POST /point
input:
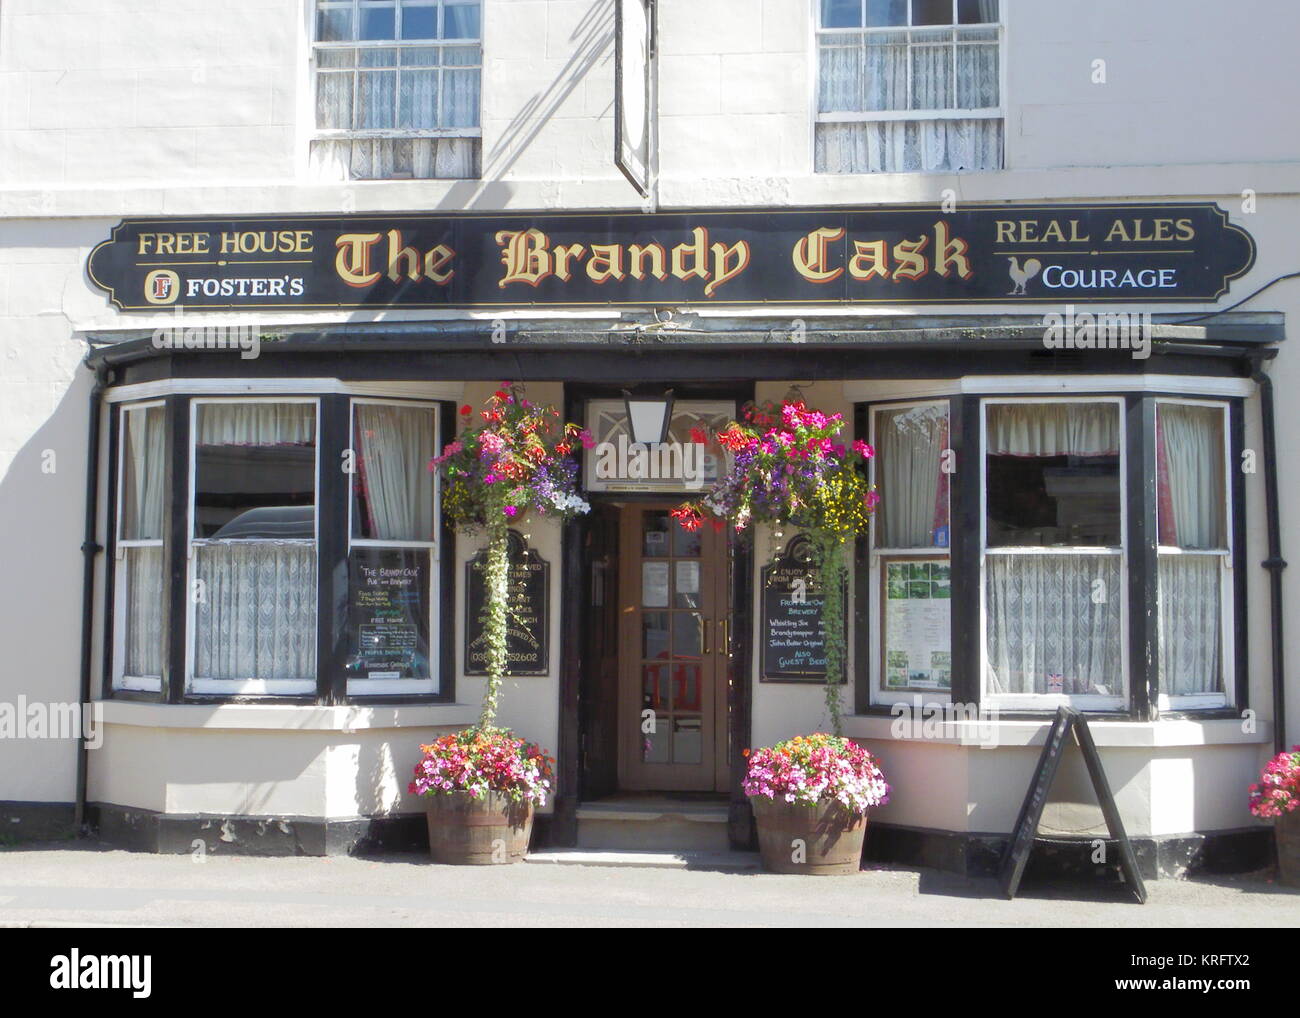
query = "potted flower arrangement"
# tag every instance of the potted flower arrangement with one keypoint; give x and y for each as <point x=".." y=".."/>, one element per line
<point x="810" y="796"/>
<point x="790" y="468"/>
<point x="481" y="785"/>
<point x="1277" y="797"/>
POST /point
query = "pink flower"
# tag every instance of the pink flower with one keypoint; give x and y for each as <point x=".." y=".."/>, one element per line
<point x="510" y="510"/>
<point x="863" y="450"/>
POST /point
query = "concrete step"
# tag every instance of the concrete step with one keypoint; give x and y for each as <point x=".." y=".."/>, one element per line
<point x="653" y="824"/>
<point x="738" y="861"/>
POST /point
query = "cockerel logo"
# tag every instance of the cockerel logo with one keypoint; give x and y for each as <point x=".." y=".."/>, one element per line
<point x="1022" y="275"/>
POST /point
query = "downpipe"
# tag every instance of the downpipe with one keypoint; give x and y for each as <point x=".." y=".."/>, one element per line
<point x="1275" y="563"/>
<point x="90" y="550"/>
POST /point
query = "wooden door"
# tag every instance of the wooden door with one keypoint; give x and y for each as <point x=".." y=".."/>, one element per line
<point x="674" y="639"/>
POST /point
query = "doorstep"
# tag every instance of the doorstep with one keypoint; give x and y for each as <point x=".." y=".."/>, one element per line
<point x="737" y="861"/>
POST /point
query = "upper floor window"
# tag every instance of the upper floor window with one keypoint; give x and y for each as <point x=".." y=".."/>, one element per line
<point x="908" y="85"/>
<point x="397" y="88"/>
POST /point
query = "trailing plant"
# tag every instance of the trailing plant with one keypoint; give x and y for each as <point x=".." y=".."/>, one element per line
<point x="813" y="768"/>
<point x="516" y="459"/>
<point x="787" y="468"/>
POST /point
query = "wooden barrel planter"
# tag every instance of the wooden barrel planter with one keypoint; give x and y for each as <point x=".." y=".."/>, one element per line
<point x="491" y="831"/>
<point x="832" y="836"/>
<point x="1286" y="832"/>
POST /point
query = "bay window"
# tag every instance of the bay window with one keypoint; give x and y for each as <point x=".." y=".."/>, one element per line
<point x="911" y="567"/>
<point x="141" y="592"/>
<point x="1193" y="588"/>
<point x="252" y="546"/>
<point x="908" y="85"/>
<point x="1053" y="553"/>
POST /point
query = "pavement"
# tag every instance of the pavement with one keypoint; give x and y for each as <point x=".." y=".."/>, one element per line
<point x="84" y="884"/>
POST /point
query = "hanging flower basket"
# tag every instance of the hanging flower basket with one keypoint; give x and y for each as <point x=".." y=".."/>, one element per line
<point x="810" y="796"/>
<point x="483" y="783"/>
<point x="1277" y="797"/>
<point x="788" y="468"/>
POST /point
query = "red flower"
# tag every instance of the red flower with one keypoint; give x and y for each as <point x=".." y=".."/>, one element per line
<point x="699" y="436"/>
<point x="466" y="410"/>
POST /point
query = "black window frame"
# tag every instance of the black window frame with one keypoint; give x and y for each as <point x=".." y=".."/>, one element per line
<point x="332" y="495"/>
<point x="1142" y="622"/>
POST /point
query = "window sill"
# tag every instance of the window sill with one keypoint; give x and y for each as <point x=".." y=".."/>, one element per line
<point x="1117" y="733"/>
<point x="285" y="717"/>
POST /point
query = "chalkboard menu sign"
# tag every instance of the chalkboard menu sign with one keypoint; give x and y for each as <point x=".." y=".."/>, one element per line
<point x="1068" y="722"/>
<point x="794" y="640"/>
<point x="528" y="625"/>
<point x="388" y="613"/>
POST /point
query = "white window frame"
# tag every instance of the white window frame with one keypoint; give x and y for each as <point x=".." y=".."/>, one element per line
<point x="879" y="693"/>
<point x="122" y="681"/>
<point x="243" y="687"/>
<point x="998" y="112"/>
<point x="1227" y="606"/>
<point x="1050" y="701"/>
<point x="360" y="134"/>
<point x="378" y="687"/>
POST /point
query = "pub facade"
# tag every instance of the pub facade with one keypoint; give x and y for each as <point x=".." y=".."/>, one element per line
<point x="231" y="371"/>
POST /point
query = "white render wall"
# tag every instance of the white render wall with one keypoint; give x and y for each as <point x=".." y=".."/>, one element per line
<point x="103" y="93"/>
<point x="202" y="107"/>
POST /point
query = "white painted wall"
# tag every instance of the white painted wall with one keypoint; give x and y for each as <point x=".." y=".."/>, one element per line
<point x="177" y="107"/>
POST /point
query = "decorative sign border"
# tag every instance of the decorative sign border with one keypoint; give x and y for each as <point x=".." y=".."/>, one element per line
<point x="877" y="255"/>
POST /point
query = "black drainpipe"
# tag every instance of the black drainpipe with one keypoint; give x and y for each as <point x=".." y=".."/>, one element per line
<point x="1274" y="563"/>
<point x="89" y="549"/>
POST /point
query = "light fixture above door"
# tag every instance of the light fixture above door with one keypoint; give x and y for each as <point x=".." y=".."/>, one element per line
<point x="648" y="417"/>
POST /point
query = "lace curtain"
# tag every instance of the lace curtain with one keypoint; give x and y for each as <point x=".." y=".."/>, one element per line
<point x="143" y="512"/>
<point x="144" y="610"/>
<point x="395" y="445"/>
<point x="1046" y="631"/>
<point x="1191" y="516"/>
<point x="255" y="614"/>
<point x="933" y="69"/>
<point x="914" y="495"/>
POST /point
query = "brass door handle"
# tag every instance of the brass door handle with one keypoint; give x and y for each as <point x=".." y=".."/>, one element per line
<point x="724" y="634"/>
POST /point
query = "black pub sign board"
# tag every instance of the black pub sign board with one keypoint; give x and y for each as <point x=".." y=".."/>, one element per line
<point x="528" y="622"/>
<point x="881" y="254"/>
<point x="794" y="639"/>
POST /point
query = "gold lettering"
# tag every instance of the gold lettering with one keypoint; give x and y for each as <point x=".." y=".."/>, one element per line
<point x="810" y="253"/>
<point x="524" y="255"/>
<point x="397" y="254"/>
<point x="563" y="253"/>
<point x="698" y="251"/>
<point x="911" y="263"/>
<point x="950" y="252"/>
<point x="871" y="258"/>
<point x="434" y="261"/>
<point x="352" y="262"/>
<point x="636" y="254"/>
<point x="606" y="262"/>
<point x="728" y="262"/>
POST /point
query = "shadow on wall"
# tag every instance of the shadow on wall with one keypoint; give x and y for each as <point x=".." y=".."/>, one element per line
<point x="42" y="517"/>
<point x="593" y="37"/>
